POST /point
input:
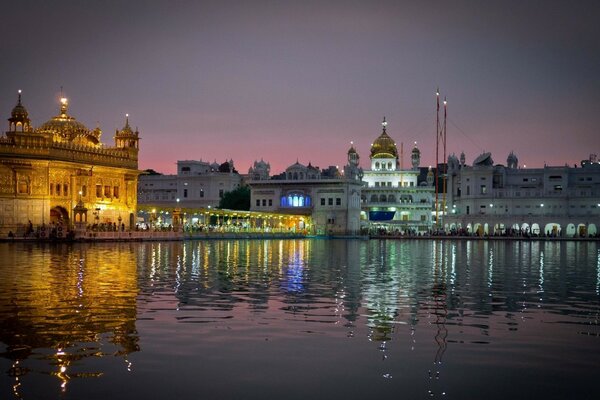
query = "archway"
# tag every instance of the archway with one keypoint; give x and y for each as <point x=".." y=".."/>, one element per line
<point x="592" y="230"/>
<point x="570" y="230"/>
<point x="478" y="229"/>
<point x="469" y="228"/>
<point x="581" y="230"/>
<point x="535" y="229"/>
<point x="59" y="216"/>
<point x="525" y="228"/>
<point x="552" y="229"/>
<point x="499" y="229"/>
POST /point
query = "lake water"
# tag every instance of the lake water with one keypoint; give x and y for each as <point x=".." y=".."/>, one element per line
<point x="300" y="319"/>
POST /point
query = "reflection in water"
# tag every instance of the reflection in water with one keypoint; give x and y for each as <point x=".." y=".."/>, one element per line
<point x="62" y="305"/>
<point x="420" y="316"/>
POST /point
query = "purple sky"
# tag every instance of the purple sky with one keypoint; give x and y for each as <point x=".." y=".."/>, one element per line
<point x="299" y="80"/>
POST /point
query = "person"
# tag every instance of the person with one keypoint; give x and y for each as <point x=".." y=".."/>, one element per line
<point x="11" y="234"/>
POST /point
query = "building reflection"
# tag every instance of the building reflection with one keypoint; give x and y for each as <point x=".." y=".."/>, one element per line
<point x="70" y="304"/>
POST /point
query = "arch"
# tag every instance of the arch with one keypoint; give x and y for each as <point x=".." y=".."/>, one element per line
<point x="525" y="228"/>
<point x="382" y="198"/>
<point x="486" y="229"/>
<point x="535" y="229"/>
<point x="295" y="176"/>
<point x="59" y="215"/>
<point x="389" y="165"/>
<point x="570" y="231"/>
<point x="499" y="229"/>
<point x="552" y="229"/>
<point x="391" y="198"/>
<point x="592" y="230"/>
<point x="377" y="165"/>
<point x="478" y="229"/>
<point x="373" y="198"/>
<point x="469" y="228"/>
<point x="581" y="230"/>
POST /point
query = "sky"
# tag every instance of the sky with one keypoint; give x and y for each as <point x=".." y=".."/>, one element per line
<point x="299" y="80"/>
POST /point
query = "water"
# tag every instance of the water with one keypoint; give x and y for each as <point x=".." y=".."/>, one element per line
<point x="299" y="319"/>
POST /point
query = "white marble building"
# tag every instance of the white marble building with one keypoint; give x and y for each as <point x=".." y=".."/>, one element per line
<point x="393" y="197"/>
<point x="329" y="198"/>
<point x="488" y="198"/>
<point x="196" y="184"/>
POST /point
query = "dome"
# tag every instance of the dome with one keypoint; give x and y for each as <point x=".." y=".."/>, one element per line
<point x="384" y="146"/>
<point x="66" y="128"/>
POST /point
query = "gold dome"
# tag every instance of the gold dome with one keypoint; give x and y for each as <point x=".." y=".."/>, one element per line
<point x="66" y="128"/>
<point x="384" y="146"/>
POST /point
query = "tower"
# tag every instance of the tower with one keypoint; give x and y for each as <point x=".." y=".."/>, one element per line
<point x="19" y="118"/>
<point x="127" y="139"/>
<point x="415" y="157"/>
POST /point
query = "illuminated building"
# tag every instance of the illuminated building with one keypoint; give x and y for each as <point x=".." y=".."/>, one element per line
<point x="329" y="198"/>
<point x="197" y="184"/>
<point x="488" y="198"/>
<point x="393" y="197"/>
<point x="46" y="172"/>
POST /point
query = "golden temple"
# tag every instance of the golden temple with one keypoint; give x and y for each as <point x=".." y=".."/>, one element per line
<point x="60" y="174"/>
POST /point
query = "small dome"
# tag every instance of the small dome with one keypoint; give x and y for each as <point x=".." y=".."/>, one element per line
<point x="19" y="112"/>
<point x="384" y="146"/>
<point x="512" y="161"/>
<point x="416" y="150"/>
<point x="19" y="117"/>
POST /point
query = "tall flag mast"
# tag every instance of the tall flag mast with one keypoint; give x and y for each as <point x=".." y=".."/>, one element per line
<point x="440" y="136"/>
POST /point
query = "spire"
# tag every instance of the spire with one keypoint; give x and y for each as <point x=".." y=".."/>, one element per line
<point x="19" y="101"/>
<point x="384" y="123"/>
<point x="64" y="103"/>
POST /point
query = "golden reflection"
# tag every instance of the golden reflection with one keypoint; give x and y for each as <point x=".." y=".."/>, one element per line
<point x="66" y="300"/>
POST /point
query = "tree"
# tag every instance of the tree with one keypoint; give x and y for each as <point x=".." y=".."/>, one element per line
<point x="238" y="199"/>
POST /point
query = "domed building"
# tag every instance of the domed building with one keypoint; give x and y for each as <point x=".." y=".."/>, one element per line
<point x="393" y="198"/>
<point x="60" y="174"/>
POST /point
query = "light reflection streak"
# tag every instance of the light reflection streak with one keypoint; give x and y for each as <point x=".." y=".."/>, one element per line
<point x="598" y="275"/>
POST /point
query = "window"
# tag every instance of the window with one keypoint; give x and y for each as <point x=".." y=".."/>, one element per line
<point x="330" y="201"/>
<point x="264" y="202"/>
<point x="221" y="193"/>
<point x="468" y="190"/>
<point x="98" y="190"/>
<point x="270" y="202"/>
<point x="483" y="189"/>
<point x="84" y="190"/>
<point x="257" y="202"/>
<point x="106" y="191"/>
<point x="52" y="189"/>
<point x="65" y="189"/>
<point x="58" y="189"/>
<point x="116" y="192"/>
<point x="322" y="201"/>
<point x="201" y="193"/>
<point x="468" y="210"/>
<point x="184" y="192"/>
<point x="23" y="187"/>
<point x="338" y="201"/>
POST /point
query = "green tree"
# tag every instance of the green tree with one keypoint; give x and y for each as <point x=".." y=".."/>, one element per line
<point x="238" y="199"/>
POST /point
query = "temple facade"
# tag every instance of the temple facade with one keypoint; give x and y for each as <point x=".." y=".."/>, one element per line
<point x="328" y="198"/>
<point x="495" y="199"/>
<point x="394" y="198"/>
<point x="59" y="174"/>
